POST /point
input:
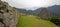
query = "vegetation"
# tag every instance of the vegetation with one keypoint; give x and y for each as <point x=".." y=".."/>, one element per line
<point x="32" y="21"/>
<point x="55" y="20"/>
<point x="14" y="7"/>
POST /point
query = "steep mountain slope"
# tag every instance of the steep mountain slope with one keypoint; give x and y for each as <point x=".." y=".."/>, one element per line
<point x="37" y="11"/>
<point x="55" y="8"/>
<point x="22" y="10"/>
<point x="25" y="11"/>
<point x="29" y="12"/>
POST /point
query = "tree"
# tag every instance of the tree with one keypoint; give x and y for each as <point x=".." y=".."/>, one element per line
<point x="55" y="20"/>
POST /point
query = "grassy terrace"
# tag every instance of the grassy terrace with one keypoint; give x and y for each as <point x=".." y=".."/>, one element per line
<point x="32" y="21"/>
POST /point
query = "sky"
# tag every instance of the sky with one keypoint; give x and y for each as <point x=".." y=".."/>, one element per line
<point x="32" y="4"/>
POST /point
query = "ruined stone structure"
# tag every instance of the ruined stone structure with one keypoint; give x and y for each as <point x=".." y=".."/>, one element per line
<point x="8" y="16"/>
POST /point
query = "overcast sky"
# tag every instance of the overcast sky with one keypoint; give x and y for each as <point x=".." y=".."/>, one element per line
<point x="30" y="4"/>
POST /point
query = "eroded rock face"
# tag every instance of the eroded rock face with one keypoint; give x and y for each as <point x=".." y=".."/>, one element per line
<point x="8" y="16"/>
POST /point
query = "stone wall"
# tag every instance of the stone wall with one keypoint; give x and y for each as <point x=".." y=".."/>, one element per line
<point x="8" y="16"/>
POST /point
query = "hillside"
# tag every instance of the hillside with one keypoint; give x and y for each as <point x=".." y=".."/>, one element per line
<point x="25" y="11"/>
<point x="54" y="8"/>
<point x="32" y="21"/>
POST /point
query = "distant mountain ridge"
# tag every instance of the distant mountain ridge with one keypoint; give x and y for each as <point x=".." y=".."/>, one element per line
<point x="25" y="11"/>
<point x="54" y="8"/>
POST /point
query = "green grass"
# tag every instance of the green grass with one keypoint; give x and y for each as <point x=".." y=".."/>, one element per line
<point x="32" y="21"/>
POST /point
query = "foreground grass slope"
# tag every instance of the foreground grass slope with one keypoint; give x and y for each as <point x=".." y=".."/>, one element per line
<point x="32" y="21"/>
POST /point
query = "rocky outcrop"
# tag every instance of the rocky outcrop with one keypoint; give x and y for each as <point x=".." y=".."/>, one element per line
<point x="45" y="13"/>
<point x="8" y="15"/>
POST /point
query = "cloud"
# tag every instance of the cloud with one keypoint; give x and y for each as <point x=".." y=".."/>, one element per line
<point x="32" y="3"/>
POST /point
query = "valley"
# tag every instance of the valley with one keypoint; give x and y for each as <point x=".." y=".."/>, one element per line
<point x="32" y="21"/>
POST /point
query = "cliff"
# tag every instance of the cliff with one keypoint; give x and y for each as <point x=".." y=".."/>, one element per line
<point x="45" y="13"/>
<point x="8" y="15"/>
